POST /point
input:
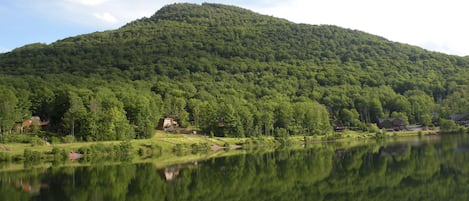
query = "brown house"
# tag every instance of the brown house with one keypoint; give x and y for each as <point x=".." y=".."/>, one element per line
<point x="30" y="123"/>
<point x="461" y="119"/>
<point x="392" y="124"/>
<point x="168" y="124"/>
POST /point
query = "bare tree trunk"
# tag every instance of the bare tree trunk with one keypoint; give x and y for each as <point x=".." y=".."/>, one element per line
<point x="73" y="126"/>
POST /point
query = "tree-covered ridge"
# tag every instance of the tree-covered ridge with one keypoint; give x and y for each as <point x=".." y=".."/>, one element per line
<point x="253" y="71"/>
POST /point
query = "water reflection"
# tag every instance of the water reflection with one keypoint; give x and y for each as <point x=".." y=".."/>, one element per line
<point x="172" y="172"/>
<point x="411" y="169"/>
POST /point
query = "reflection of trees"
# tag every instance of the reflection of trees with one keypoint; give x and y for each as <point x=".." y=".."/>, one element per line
<point x="393" y="172"/>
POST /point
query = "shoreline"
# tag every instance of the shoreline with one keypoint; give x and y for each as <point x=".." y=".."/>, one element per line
<point x="167" y="149"/>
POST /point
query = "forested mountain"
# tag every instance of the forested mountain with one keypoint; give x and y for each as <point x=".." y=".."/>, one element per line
<point x="228" y="71"/>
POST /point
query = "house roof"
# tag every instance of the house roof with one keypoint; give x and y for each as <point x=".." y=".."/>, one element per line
<point x="390" y="119"/>
<point x="459" y="117"/>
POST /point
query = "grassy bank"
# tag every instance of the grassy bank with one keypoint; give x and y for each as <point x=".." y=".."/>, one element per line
<point x="166" y="149"/>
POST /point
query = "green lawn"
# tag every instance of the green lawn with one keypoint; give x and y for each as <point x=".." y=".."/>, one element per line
<point x="179" y="148"/>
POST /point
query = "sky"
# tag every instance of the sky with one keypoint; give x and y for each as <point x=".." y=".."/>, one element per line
<point x="436" y="25"/>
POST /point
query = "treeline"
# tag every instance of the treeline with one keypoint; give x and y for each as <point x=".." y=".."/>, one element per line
<point x="117" y="110"/>
<point x="230" y="72"/>
<point x="94" y="109"/>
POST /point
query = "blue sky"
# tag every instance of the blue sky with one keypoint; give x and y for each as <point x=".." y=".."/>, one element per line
<point x="432" y="24"/>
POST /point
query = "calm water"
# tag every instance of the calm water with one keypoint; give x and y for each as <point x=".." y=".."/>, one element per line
<point x="429" y="168"/>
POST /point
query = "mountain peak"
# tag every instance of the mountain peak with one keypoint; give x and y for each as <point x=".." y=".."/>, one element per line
<point x="181" y="11"/>
<point x="206" y="13"/>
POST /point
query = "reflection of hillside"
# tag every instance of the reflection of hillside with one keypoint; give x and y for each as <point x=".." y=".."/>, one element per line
<point x="33" y="188"/>
<point x="429" y="170"/>
<point x="394" y="150"/>
<point x="462" y="147"/>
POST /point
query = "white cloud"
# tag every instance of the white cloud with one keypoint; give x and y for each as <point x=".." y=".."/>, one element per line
<point x="88" y="2"/>
<point x="111" y="13"/>
<point x="433" y="46"/>
<point x="106" y="17"/>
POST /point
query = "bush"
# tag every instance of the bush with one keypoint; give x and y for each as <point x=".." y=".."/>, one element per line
<point x="32" y="156"/>
<point x="59" y="154"/>
<point x="202" y="147"/>
<point x="212" y="135"/>
<point x="97" y="149"/>
<point x="284" y="141"/>
<point x="15" y="138"/>
<point x="123" y="151"/>
<point x="37" y="141"/>
<point x="118" y="152"/>
<point x="54" y="140"/>
<point x="68" y="139"/>
<point x="152" y="150"/>
<point x="180" y="149"/>
<point x="372" y="128"/>
<point x="449" y="126"/>
<point x="5" y="157"/>
<point x="381" y="134"/>
<point x="125" y="148"/>
<point x="281" y="132"/>
<point x="86" y="150"/>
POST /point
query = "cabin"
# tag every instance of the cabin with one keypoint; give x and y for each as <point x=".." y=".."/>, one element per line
<point x="168" y="124"/>
<point x="392" y="124"/>
<point x="460" y="119"/>
<point x="338" y="127"/>
<point x="28" y="124"/>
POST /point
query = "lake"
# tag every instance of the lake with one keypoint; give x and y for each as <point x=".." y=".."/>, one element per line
<point x="413" y="168"/>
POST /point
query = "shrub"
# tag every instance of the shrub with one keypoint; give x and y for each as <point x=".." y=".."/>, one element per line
<point x="125" y="148"/>
<point x="68" y="139"/>
<point x="15" y="138"/>
<point x="449" y="126"/>
<point x="202" y="147"/>
<point x="212" y="135"/>
<point x="181" y="149"/>
<point x="54" y="140"/>
<point x="37" y="141"/>
<point x="32" y="156"/>
<point x="5" y="157"/>
<point x="59" y="154"/>
<point x="373" y="128"/>
<point x="149" y="150"/>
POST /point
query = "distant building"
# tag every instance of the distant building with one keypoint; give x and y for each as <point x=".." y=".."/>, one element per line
<point x="392" y="124"/>
<point x="168" y="124"/>
<point x="30" y="123"/>
<point x="461" y="119"/>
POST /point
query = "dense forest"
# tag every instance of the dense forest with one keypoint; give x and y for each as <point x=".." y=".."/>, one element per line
<point x="229" y="72"/>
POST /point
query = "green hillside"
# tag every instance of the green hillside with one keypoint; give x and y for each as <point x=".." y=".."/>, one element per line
<point x="230" y="72"/>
